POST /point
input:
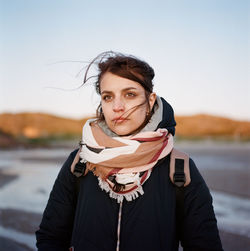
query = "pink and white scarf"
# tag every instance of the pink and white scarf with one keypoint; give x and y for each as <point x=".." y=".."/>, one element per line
<point x="123" y="164"/>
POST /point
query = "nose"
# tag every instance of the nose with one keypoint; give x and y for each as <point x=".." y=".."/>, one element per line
<point x="118" y="105"/>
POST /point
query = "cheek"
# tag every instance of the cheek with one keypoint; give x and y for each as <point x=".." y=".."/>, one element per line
<point x="140" y="115"/>
<point x="142" y="110"/>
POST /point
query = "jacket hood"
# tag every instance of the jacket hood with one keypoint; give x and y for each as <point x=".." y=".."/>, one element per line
<point x="168" y="120"/>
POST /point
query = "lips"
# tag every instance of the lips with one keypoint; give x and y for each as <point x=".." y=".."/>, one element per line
<point x="119" y="120"/>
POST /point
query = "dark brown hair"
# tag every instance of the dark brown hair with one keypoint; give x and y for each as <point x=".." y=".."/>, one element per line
<point x="125" y="66"/>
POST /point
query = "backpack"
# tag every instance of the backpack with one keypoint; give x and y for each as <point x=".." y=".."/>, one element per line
<point x="179" y="174"/>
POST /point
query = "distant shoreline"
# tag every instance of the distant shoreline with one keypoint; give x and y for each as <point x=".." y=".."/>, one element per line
<point x="41" y="128"/>
<point x="74" y="143"/>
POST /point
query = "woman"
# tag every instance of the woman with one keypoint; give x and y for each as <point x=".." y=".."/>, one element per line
<point x="125" y="199"/>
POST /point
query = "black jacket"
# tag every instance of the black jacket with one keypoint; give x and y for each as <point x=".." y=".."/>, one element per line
<point x="87" y="219"/>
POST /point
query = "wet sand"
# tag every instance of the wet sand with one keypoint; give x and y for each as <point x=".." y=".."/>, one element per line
<point x="9" y="244"/>
<point x="6" y="178"/>
<point x="22" y="221"/>
<point x="230" y="178"/>
<point x="224" y="166"/>
<point x="229" y="181"/>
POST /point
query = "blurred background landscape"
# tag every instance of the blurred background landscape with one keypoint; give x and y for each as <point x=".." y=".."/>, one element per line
<point x="200" y="53"/>
<point x="33" y="147"/>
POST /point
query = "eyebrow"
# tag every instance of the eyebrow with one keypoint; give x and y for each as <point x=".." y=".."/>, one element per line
<point x="123" y="90"/>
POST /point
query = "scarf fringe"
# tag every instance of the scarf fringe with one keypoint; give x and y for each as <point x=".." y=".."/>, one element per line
<point x="132" y="195"/>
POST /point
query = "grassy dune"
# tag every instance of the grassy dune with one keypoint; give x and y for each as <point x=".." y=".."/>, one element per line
<point x="212" y="126"/>
<point x="40" y="128"/>
<point x="34" y="125"/>
<point x="30" y="129"/>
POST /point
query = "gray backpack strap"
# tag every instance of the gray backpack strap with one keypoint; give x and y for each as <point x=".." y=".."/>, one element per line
<point x="179" y="168"/>
<point x="78" y="168"/>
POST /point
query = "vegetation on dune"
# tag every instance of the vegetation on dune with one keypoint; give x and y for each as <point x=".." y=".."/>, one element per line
<point x="208" y="126"/>
<point x="30" y="129"/>
<point x="37" y="129"/>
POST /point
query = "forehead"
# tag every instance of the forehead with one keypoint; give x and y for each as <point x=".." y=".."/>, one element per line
<point x="112" y="83"/>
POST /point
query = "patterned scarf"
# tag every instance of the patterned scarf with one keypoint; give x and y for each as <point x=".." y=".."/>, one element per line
<point x="123" y="164"/>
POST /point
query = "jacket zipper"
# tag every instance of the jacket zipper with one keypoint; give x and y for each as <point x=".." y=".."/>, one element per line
<point x="119" y="227"/>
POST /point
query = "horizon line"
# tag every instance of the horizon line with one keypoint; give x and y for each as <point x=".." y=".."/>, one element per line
<point x="93" y="115"/>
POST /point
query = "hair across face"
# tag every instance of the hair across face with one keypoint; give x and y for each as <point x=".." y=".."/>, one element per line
<point x="124" y="104"/>
<point x="118" y="76"/>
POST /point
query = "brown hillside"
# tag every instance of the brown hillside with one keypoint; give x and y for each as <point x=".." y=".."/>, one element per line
<point x="207" y="125"/>
<point x="34" y="125"/>
<point x="40" y="125"/>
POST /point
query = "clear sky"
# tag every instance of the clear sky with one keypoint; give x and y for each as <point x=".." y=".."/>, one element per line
<point x="199" y="50"/>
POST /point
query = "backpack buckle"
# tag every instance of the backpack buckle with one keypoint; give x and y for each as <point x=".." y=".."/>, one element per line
<point x="79" y="169"/>
<point x="179" y="175"/>
<point x="179" y="179"/>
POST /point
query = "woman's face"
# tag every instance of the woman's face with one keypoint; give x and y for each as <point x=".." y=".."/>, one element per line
<point x="120" y="98"/>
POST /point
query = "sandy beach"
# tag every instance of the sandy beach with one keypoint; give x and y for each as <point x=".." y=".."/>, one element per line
<point x="27" y="176"/>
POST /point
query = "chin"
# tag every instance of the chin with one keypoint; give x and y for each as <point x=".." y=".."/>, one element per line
<point x="123" y="129"/>
<point x="121" y="132"/>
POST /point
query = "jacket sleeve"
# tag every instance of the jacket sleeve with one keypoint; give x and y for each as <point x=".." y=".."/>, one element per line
<point x="199" y="229"/>
<point x="56" y="227"/>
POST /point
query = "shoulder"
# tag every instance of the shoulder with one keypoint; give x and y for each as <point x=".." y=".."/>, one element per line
<point x="197" y="188"/>
<point x="73" y="154"/>
<point x="196" y="177"/>
<point x="199" y="227"/>
<point x="65" y="170"/>
<point x="71" y="157"/>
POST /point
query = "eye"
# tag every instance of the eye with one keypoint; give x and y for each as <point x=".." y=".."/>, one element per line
<point x="106" y="98"/>
<point x="130" y="94"/>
